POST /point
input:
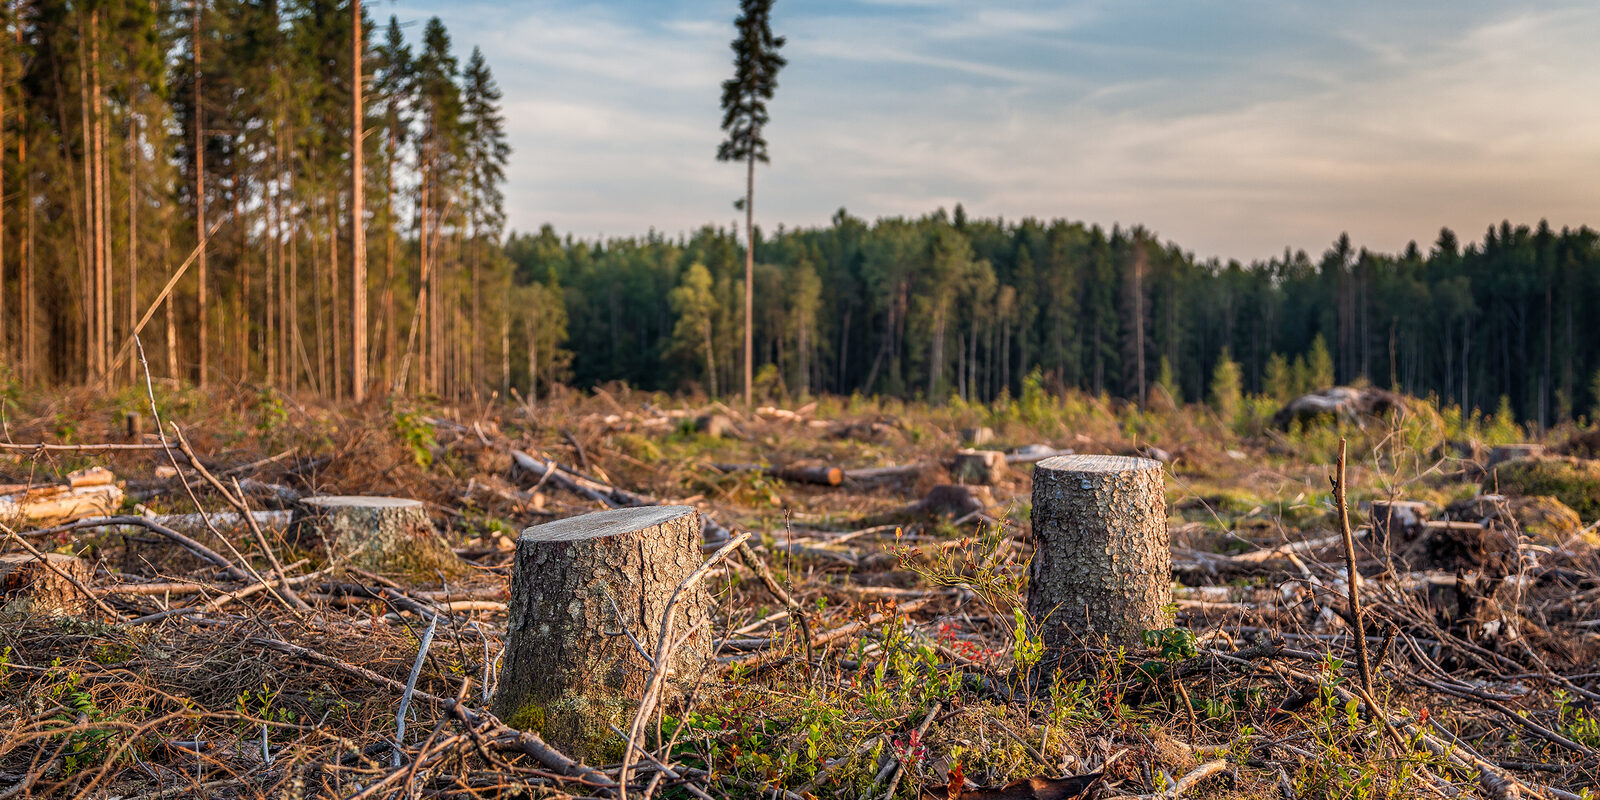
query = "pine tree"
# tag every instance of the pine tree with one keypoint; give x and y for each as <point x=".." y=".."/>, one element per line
<point x="358" y="216"/>
<point x="1319" y="366"/>
<point x="487" y="153"/>
<point x="394" y="82"/>
<point x="744" y="108"/>
<point x="694" y="304"/>
<point x="1226" y="394"/>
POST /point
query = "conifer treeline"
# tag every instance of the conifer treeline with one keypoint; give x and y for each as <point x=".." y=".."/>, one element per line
<point x="128" y="131"/>
<point x="132" y="130"/>
<point x="946" y="305"/>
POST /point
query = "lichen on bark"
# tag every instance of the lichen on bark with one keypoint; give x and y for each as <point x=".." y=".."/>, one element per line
<point x="1102" y="564"/>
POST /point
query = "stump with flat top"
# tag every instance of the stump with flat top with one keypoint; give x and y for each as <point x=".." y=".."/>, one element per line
<point x="985" y="467"/>
<point x="587" y="593"/>
<point x="28" y="585"/>
<point x="1102" y="564"/>
<point x="387" y="535"/>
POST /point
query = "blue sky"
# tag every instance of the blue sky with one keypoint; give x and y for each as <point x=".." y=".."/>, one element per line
<point x="1232" y="128"/>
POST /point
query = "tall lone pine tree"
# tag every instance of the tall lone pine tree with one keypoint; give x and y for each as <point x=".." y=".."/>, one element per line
<point x="744" y="113"/>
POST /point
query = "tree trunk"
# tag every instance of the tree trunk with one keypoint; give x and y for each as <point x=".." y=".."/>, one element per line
<point x="1102" y="567"/>
<point x="200" y="197"/>
<point x="575" y="584"/>
<point x="749" y="276"/>
<point x="358" y="227"/>
<point x="388" y="535"/>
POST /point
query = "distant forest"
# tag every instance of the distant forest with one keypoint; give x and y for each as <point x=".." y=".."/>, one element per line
<point x="130" y="132"/>
<point x="947" y="306"/>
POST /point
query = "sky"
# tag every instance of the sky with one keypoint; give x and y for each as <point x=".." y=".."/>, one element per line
<point x="1234" y="128"/>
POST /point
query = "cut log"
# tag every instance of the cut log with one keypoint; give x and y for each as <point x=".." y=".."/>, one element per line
<point x="986" y="467"/>
<point x="868" y="474"/>
<point x="1102" y="562"/>
<point x="819" y="474"/>
<point x="1341" y="403"/>
<point x="1034" y="453"/>
<point x="587" y="593"/>
<point x="1502" y="453"/>
<point x="92" y="493"/>
<point x="387" y="535"/>
<point x="28" y="586"/>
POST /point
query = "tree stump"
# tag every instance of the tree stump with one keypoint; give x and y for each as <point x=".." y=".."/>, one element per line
<point x="27" y="585"/>
<point x="986" y="467"/>
<point x="1102" y="562"/>
<point x="387" y="535"/>
<point x="580" y="588"/>
<point x="1395" y="524"/>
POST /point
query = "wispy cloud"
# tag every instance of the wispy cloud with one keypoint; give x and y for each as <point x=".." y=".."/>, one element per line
<point x="1234" y="128"/>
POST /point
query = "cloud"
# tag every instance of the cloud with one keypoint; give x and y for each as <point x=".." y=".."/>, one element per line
<point x="1232" y="128"/>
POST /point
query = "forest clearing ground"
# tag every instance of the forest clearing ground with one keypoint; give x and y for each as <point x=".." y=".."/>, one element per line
<point x="924" y="670"/>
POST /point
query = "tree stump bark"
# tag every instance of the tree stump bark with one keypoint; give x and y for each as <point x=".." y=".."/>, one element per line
<point x="27" y="585"/>
<point x="582" y="590"/>
<point x="387" y="535"/>
<point x="1102" y="562"/>
<point x="1395" y="525"/>
<point x="986" y="467"/>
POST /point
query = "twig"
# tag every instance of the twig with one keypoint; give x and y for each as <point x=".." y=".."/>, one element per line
<point x="1353" y="584"/>
<point x="756" y="564"/>
<point x="187" y="543"/>
<point x="249" y="519"/>
<point x="922" y="730"/>
<point x="411" y="687"/>
<point x="658" y="673"/>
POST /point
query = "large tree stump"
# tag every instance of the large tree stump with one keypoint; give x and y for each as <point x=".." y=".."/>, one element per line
<point x="27" y="585"/>
<point x="387" y="535"/>
<point x="985" y="467"/>
<point x="582" y="589"/>
<point x="1102" y="562"/>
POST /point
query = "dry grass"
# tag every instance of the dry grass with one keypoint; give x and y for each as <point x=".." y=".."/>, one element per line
<point x="1257" y="675"/>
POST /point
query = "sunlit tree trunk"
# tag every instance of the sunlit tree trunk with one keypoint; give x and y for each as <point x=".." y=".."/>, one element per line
<point x="201" y="297"/>
<point x="358" y="231"/>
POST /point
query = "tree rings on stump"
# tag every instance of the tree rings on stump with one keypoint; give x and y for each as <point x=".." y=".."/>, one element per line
<point x="1102" y="562"/>
<point x="584" y="590"/>
<point x="387" y="535"/>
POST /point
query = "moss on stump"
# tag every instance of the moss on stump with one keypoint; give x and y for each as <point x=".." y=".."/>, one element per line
<point x="580" y="588"/>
